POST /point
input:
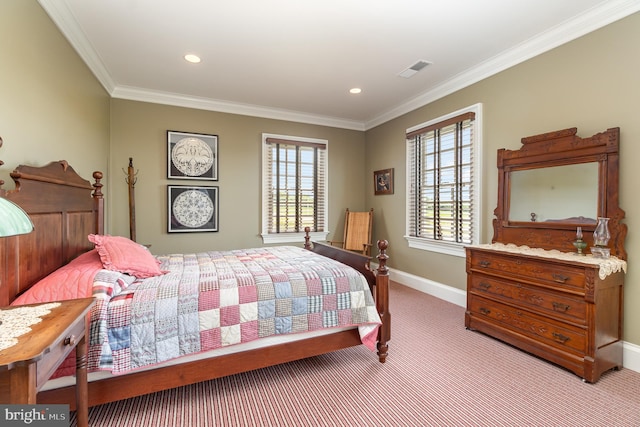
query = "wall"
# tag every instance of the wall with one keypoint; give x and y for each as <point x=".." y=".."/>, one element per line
<point x="591" y="83"/>
<point x="51" y="105"/>
<point x="138" y="130"/>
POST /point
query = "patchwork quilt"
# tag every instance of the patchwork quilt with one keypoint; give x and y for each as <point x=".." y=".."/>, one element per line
<point x="214" y="299"/>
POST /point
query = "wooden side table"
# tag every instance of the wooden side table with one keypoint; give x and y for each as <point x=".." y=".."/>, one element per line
<point x="26" y="366"/>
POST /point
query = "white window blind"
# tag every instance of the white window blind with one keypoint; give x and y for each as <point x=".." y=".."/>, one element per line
<point x="441" y="191"/>
<point x="295" y="185"/>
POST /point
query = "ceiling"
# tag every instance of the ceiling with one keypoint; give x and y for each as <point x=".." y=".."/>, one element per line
<point x="297" y="59"/>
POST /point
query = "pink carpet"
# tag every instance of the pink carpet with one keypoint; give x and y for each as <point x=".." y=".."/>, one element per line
<point x="437" y="374"/>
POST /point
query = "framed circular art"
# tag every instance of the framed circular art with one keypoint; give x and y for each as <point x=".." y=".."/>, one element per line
<point x="192" y="208"/>
<point x="192" y="156"/>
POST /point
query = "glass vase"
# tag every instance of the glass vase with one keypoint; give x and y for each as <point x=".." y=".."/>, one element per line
<point x="601" y="236"/>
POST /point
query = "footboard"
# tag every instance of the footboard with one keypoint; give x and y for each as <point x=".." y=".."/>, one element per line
<point x="378" y="281"/>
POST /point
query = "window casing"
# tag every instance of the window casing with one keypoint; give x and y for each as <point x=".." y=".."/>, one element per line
<point x="294" y="191"/>
<point x="443" y="182"/>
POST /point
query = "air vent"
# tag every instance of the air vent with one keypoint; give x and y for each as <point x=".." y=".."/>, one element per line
<point x="414" y="69"/>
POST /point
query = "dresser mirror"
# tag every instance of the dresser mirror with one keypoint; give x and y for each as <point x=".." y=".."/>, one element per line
<point x="555" y="183"/>
<point x="541" y="194"/>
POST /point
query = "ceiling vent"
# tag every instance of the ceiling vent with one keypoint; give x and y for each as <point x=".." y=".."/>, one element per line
<point x="414" y="69"/>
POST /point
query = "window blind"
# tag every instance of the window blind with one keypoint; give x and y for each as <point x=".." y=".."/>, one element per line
<point x="441" y="194"/>
<point x="296" y="174"/>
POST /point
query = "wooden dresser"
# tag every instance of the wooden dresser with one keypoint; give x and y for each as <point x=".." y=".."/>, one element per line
<point x="560" y="310"/>
<point x="529" y="287"/>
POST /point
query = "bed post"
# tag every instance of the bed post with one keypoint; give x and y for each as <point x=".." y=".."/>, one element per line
<point x="98" y="203"/>
<point x="382" y="300"/>
<point x="4" y="288"/>
<point x="307" y="238"/>
<point x="378" y="281"/>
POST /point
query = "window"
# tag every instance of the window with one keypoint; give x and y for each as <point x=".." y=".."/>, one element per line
<point x="294" y="193"/>
<point x="443" y="182"/>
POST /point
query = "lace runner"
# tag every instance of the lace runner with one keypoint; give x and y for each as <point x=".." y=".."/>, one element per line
<point x="18" y="321"/>
<point x="607" y="265"/>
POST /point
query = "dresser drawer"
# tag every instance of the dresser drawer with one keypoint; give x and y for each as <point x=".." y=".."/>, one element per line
<point x="530" y="269"/>
<point x="557" y="305"/>
<point x="562" y="336"/>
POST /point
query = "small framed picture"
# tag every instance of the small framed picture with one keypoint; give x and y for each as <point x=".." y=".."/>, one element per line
<point x="192" y="156"/>
<point x="383" y="181"/>
<point x="192" y="209"/>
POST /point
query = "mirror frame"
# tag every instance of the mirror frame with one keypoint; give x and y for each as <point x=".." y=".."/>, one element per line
<point x="559" y="148"/>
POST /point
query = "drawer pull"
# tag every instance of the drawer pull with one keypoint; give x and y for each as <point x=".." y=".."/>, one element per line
<point x="484" y="285"/>
<point x="485" y="263"/>
<point x="560" y="307"/>
<point x="485" y="311"/>
<point x="560" y="278"/>
<point x="70" y="340"/>
<point x="559" y="337"/>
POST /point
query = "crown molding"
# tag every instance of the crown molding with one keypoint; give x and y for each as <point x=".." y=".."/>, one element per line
<point x="200" y="103"/>
<point x="595" y="18"/>
<point x="62" y="16"/>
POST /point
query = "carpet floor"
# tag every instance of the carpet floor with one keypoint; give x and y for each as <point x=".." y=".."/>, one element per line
<point x="437" y="374"/>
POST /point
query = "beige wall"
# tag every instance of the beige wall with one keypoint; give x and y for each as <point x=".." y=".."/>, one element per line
<point x="592" y="83"/>
<point x="51" y="105"/>
<point x="139" y="129"/>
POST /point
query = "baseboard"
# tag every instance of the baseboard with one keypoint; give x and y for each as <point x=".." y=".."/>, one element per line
<point x="445" y="292"/>
<point x="631" y="356"/>
<point x="630" y="352"/>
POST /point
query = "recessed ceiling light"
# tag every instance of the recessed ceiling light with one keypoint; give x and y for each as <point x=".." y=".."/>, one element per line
<point x="355" y="90"/>
<point x="192" y="58"/>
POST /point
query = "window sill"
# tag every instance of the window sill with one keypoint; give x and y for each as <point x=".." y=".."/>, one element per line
<point x="272" y="239"/>
<point x="454" y="249"/>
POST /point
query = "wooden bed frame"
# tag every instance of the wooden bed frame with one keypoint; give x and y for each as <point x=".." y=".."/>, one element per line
<point x="65" y="208"/>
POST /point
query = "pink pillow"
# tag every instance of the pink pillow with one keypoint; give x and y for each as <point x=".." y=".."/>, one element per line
<point x="74" y="280"/>
<point x="126" y="256"/>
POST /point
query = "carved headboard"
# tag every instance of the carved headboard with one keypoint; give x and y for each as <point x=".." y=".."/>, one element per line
<point x="64" y="209"/>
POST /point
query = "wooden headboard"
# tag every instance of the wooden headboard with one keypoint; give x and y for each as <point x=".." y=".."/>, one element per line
<point x="64" y="209"/>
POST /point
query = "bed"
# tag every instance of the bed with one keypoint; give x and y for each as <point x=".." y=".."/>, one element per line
<point x="66" y="209"/>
